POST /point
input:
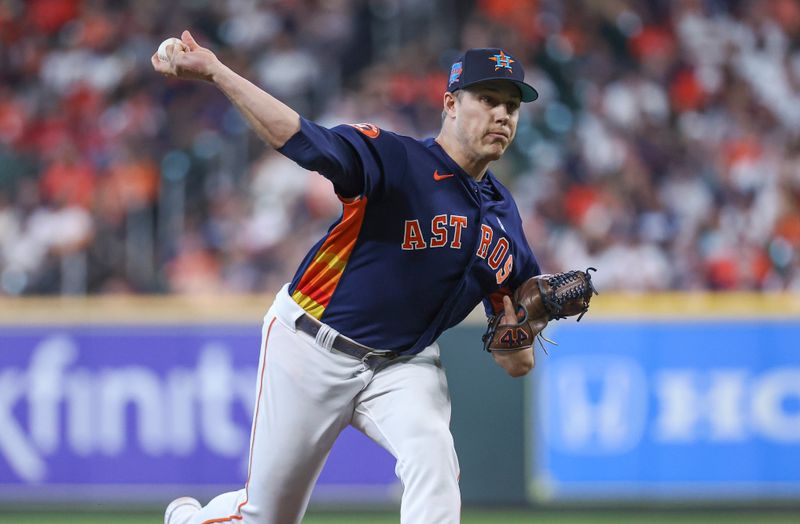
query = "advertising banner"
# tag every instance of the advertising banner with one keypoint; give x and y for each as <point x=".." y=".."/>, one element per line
<point x="667" y="409"/>
<point x="140" y="412"/>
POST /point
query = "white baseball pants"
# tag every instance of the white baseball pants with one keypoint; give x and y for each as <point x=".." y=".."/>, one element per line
<point x="307" y="394"/>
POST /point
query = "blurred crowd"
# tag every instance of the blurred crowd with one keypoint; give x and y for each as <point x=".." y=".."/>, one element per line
<point x="664" y="149"/>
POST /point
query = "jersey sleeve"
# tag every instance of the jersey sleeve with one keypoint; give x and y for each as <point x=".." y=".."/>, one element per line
<point x="316" y="148"/>
<point x="382" y="156"/>
<point x="493" y="303"/>
<point x="359" y="159"/>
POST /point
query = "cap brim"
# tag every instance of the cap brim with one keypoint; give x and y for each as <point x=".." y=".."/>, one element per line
<point x="527" y="92"/>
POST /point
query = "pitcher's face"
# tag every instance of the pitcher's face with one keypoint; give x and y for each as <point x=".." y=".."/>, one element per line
<point x="486" y="118"/>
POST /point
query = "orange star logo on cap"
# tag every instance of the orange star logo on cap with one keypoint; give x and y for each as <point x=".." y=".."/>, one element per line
<point x="502" y="61"/>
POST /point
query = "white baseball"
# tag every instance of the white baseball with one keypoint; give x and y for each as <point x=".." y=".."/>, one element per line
<point x="162" y="49"/>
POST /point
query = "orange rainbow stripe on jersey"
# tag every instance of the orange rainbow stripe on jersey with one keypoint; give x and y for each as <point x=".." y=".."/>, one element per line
<point x="315" y="288"/>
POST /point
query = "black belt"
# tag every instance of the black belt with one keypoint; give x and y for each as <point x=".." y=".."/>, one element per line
<point x="370" y="357"/>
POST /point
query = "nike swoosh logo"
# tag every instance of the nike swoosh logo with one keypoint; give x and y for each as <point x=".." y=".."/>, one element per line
<point x="437" y="176"/>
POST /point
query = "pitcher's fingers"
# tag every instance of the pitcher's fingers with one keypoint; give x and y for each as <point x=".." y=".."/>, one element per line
<point x="180" y="47"/>
<point x="508" y="309"/>
<point x="188" y="39"/>
<point x="160" y="66"/>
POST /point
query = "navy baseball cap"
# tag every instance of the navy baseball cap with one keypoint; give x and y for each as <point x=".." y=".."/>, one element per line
<point x="482" y="64"/>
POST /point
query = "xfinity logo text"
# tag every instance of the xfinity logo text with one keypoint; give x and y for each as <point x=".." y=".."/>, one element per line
<point x="55" y="405"/>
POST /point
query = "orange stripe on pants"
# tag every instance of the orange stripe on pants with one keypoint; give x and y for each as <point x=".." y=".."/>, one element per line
<point x="252" y="437"/>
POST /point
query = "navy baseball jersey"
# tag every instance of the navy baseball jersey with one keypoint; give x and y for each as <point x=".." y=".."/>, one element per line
<point x="416" y="249"/>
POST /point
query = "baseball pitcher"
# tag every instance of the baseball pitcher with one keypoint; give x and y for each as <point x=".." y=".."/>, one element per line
<point x="426" y="234"/>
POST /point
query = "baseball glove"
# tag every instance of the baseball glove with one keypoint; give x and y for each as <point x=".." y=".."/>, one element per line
<point x="539" y="300"/>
